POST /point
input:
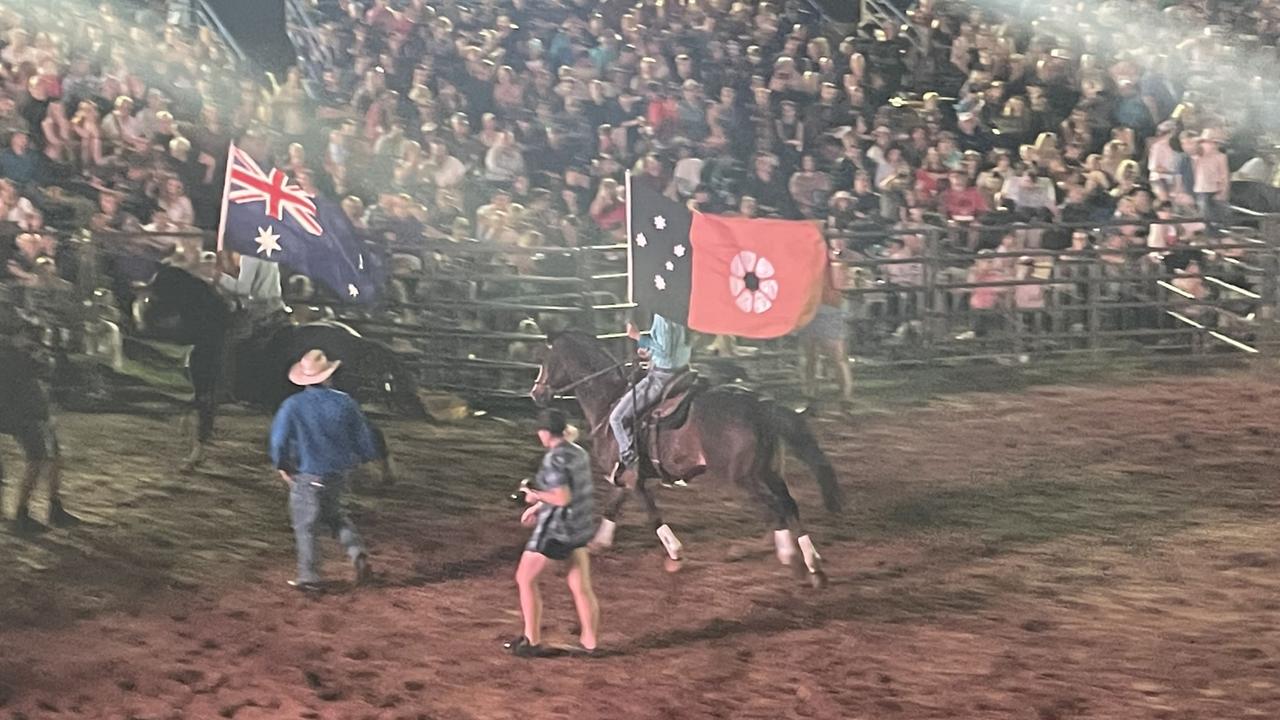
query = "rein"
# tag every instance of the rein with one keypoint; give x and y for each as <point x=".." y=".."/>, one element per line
<point x="592" y="376"/>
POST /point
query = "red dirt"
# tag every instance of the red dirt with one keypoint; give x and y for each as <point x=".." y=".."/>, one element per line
<point x="1061" y="553"/>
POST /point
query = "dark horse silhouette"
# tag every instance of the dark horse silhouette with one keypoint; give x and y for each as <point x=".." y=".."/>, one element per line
<point x="180" y="307"/>
<point x="731" y="432"/>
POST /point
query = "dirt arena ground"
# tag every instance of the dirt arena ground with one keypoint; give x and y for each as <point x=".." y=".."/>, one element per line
<point x="1058" y="551"/>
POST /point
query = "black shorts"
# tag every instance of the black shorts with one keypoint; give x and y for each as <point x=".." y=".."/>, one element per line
<point x="556" y="550"/>
<point x="39" y="441"/>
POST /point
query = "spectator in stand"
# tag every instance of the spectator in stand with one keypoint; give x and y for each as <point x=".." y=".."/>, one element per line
<point x="19" y="162"/>
<point x="1212" y="177"/>
<point x="960" y="202"/>
<point x="174" y="202"/>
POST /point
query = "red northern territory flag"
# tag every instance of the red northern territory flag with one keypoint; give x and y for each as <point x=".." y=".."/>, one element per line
<point x="754" y="278"/>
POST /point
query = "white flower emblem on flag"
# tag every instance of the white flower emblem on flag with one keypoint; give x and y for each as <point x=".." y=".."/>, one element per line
<point x="751" y="282"/>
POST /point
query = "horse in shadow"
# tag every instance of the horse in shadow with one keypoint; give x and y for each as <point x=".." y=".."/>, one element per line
<point x="729" y="432"/>
<point x="179" y="307"/>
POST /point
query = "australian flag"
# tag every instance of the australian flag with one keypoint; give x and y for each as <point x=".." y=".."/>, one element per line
<point x="269" y="217"/>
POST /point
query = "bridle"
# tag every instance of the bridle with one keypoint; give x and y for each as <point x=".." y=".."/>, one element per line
<point x="616" y="366"/>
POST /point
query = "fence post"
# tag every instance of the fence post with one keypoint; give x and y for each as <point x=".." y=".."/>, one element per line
<point x="585" y="268"/>
<point x="1095" y="305"/>
<point x="930" y="314"/>
<point x="1269" y="229"/>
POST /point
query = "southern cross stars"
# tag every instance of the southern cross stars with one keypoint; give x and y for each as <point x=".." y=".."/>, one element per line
<point x="659" y="282"/>
<point x="641" y="240"/>
<point x="268" y="241"/>
<point x="660" y="222"/>
<point x="678" y="250"/>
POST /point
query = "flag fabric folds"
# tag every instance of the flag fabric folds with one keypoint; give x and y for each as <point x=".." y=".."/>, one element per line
<point x="267" y="216"/>
<point x="756" y="278"/>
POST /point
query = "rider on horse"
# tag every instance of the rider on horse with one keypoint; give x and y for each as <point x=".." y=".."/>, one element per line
<point x="253" y="285"/>
<point x="668" y="348"/>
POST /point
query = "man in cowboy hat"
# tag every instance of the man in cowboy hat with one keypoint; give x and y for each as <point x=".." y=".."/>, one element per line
<point x="317" y="436"/>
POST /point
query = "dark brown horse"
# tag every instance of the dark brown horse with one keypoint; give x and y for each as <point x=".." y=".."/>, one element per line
<point x="731" y="433"/>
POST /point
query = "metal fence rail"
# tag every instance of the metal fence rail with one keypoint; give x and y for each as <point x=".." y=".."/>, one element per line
<point x="470" y="317"/>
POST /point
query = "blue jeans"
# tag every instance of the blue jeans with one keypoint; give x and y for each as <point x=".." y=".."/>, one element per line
<point x="315" y="500"/>
<point x="1214" y="211"/>
<point x="634" y="403"/>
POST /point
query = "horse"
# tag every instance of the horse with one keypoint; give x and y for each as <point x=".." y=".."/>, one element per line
<point x="25" y="414"/>
<point x="730" y="431"/>
<point x="182" y="308"/>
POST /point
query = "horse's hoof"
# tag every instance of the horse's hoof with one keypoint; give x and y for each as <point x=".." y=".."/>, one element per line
<point x="672" y="566"/>
<point x="818" y="580"/>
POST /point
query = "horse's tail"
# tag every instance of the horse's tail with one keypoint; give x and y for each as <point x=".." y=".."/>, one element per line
<point x="792" y="428"/>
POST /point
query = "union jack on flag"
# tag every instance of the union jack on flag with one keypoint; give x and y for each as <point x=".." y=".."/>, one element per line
<point x="249" y="184"/>
<point x="268" y="217"/>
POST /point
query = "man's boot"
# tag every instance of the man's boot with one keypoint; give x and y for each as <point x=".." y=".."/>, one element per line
<point x="58" y="515"/>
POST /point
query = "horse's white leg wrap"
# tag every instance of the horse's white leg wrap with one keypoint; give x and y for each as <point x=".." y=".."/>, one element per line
<point x="670" y="542"/>
<point x="786" y="548"/>
<point x="812" y="559"/>
<point x="604" y="535"/>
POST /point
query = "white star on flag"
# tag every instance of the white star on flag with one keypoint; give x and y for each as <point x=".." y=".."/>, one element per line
<point x="641" y="240"/>
<point x="678" y="250"/>
<point x="671" y="265"/>
<point x="660" y="222"/>
<point x="659" y="282"/>
<point x="352" y="290"/>
<point x="268" y="241"/>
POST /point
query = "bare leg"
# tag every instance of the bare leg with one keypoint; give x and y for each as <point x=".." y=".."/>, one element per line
<point x="834" y="350"/>
<point x="810" y="380"/>
<point x="584" y="598"/>
<point x="531" y="565"/>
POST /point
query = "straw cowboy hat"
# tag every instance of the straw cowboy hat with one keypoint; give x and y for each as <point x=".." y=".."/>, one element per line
<point x="313" y="369"/>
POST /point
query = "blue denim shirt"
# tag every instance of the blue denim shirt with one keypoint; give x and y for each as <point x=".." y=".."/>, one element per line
<point x="667" y="343"/>
<point x="321" y="431"/>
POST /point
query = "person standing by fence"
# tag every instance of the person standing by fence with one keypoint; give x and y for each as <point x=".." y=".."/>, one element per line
<point x="1212" y="178"/>
<point x="317" y="436"/>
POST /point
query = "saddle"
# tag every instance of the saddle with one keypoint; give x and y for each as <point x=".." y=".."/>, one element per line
<point x="671" y="412"/>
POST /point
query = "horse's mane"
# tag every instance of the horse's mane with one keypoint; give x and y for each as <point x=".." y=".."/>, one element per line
<point x="193" y="298"/>
<point x="583" y="345"/>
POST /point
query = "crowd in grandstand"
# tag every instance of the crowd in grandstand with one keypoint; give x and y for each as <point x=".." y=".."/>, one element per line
<point x="512" y="122"/>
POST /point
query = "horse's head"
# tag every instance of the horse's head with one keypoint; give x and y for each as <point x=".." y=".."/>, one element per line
<point x="569" y="357"/>
<point x="177" y="305"/>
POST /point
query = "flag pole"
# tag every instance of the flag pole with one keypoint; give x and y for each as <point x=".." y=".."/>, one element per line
<point x="226" y="188"/>
<point x="631" y="285"/>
